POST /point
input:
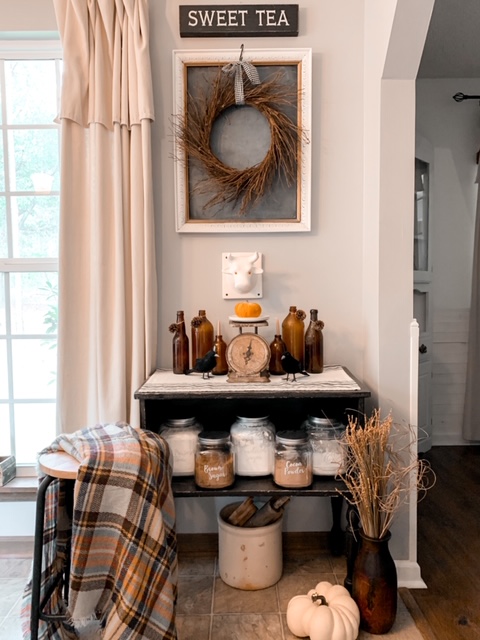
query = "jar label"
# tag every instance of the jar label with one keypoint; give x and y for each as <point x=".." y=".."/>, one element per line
<point x="214" y="469"/>
<point x="292" y="473"/>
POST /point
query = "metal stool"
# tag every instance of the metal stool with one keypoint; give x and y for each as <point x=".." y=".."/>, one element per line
<point x="64" y="467"/>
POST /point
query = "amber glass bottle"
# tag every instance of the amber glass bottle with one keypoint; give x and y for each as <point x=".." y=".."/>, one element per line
<point x="221" y="367"/>
<point x="314" y="344"/>
<point x="202" y="336"/>
<point x="277" y="349"/>
<point x="293" y="333"/>
<point x="180" y="345"/>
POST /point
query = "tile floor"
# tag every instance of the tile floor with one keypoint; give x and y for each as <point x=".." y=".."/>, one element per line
<point x="208" y="609"/>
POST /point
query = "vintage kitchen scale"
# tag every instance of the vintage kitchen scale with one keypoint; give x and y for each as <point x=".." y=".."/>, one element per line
<point x="248" y="354"/>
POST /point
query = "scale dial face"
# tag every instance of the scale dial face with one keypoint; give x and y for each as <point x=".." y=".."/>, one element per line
<point x="248" y="354"/>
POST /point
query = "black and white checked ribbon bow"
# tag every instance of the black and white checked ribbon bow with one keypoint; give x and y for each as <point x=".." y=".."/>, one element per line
<point x="238" y="68"/>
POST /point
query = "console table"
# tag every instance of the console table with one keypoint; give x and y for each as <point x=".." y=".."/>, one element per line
<point x="216" y="403"/>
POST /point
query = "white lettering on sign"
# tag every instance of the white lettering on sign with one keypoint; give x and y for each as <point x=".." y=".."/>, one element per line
<point x="217" y="18"/>
<point x="271" y="18"/>
<point x="236" y="18"/>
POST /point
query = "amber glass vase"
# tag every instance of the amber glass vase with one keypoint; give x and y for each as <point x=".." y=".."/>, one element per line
<point x="221" y="367"/>
<point x="202" y="336"/>
<point x="374" y="584"/>
<point x="277" y="349"/>
<point x="314" y="344"/>
<point x="293" y="333"/>
<point x="180" y="351"/>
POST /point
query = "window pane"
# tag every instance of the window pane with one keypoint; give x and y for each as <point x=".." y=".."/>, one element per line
<point x="31" y="91"/>
<point x="5" y="448"/>
<point x="2" y="165"/>
<point x="3" y="370"/>
<point x="35" y="226"/>
<point x="34" y="365"/>
<point x="32" y="152"/>
<point x="34" y="430"/>
<point x="3" y="328"/>
<point x="3" y="229"/>
<point x="33" y="303"/>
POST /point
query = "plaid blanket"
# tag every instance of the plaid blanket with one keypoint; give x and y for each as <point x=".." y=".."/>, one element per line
<point x="124" y="563"/>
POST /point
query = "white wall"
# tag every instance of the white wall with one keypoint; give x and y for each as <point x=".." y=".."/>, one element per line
<point x="321" y="269"/>
<point x="355" y="265"/>
<point x="453" y="130"/>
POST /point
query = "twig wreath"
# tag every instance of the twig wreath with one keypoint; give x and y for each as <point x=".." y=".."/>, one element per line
<point x="229" y="184"/>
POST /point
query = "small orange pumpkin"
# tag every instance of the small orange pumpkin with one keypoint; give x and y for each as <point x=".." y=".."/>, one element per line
<point x="248" y="309"/>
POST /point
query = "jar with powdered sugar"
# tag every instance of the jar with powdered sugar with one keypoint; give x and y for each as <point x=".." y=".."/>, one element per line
<point x="253" y="446"/>
<point x="181" y="435"/>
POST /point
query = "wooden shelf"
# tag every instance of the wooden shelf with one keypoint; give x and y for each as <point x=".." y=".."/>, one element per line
<point x="325" y="487"/>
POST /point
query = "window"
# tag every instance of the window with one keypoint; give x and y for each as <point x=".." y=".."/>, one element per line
<point x="30" y="77"/>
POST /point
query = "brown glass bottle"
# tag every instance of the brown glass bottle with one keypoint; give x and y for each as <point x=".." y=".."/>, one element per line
<point x="180" y="351"/>
<point x="277" y="349"/>
<point x="293" y="332"/>
<point x="202" y="336"/>
<point x="314" y="344"/>
<point x="221" y="367"/>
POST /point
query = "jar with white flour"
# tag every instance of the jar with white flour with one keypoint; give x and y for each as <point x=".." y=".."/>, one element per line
<point x="181" y="435"/>
<point x="253" y="446"/>
<point x="328" y="452"/>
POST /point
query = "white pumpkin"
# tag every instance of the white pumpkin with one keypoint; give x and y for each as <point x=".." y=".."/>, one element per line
<point x="327" y="612"/>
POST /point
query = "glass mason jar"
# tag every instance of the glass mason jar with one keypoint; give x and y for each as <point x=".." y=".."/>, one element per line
<point x="181" y="435"/>
<point x="253" y="446"/>
<point x="214" y="460"/>
<point x="293" y="459"/>
<point x="328" y="452"/>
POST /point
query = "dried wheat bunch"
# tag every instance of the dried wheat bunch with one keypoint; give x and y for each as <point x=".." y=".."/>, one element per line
<point x="381" y="470"/>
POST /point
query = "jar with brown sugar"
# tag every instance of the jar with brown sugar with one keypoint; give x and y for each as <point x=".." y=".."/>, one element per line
<point x="293" y="460"/>
<point x="214" y="460"/>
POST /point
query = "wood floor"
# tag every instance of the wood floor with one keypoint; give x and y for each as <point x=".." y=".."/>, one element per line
<point x="449" y="545"/>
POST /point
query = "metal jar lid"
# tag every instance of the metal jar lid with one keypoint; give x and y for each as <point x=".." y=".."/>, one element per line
<point x="214" y="437"/>
<point x="291" y="437"/>
<point x="178" y="423"/>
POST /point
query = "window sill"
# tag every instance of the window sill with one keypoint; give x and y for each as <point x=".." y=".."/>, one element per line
<point x="20" y="489"/>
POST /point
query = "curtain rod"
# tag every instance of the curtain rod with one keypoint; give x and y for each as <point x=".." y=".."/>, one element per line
<point x="460" y="97"/>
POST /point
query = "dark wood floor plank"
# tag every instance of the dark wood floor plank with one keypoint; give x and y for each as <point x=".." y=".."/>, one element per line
<point x="449" y="545"/>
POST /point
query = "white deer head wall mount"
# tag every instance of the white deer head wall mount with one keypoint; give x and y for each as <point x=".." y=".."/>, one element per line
<point x="242" y="275"/>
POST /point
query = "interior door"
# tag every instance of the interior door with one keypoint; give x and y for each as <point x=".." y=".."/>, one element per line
<point x="422" y="288"/>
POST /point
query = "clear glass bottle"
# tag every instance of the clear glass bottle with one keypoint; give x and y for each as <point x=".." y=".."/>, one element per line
<point x="293" y="334"/>
<point x="180" y="351"/>
<point x="214" y="467"/>
<point x="325" y="436"/>
<point x="221" y="366"/>
<point x="277" y="349"/>
<point x="181" y="435"/>
<point x="253" y="442"/>
<point x="314" y="344"/>
<point x="293" y="460"/>
<point x="202" y="336"/>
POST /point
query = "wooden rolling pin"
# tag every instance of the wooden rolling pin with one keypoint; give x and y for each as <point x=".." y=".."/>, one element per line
<point x="242" y="513"/>
<point x="269" y="513"/>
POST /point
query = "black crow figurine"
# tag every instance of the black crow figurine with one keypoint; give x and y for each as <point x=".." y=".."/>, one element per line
<point x="204" y="365"/>
<point x="291" y="366"/>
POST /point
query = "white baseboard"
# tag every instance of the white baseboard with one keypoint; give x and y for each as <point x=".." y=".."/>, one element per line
<point x="408" y="575"/>
<point x="450" y="440"/>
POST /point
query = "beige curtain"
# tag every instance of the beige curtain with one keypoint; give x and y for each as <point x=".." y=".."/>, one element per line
<point x="471" y="415"/>
<point x="107" y="281"/>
